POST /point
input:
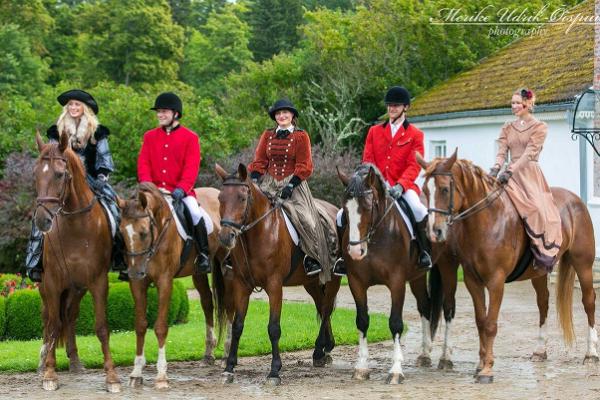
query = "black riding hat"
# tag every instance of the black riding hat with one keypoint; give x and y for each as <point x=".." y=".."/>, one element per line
<point x="79" y="95"/>
<point x="397" y="95"/>
<point x="282" y="104"/>
<point x="169" y="101"/>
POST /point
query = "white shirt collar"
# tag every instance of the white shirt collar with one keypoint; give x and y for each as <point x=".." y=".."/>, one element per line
<point x="289" y="128"/>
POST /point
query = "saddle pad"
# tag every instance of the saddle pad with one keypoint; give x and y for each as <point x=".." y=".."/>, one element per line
<point x="111" y="220"/>
<point x="291" y="229"/>
<point x="406" y="220"/>
<point x="178" y="223"/>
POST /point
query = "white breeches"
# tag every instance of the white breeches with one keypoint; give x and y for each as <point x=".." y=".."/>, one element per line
<point x="198" y="212"/>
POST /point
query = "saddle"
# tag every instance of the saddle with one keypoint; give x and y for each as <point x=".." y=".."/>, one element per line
<point x="185" y="227"/>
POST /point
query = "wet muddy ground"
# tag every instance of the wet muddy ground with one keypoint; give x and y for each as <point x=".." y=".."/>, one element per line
<point x="562" y="376"/>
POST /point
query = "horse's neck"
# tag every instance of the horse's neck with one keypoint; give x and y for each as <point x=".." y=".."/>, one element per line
<point x="79" y="196"/>
<point x="261" y="206"/>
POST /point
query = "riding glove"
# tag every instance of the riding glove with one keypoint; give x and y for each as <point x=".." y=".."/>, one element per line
<point x="177" y="194"/>
<point x="494" y="171"/>
<point x="504" y="177"/>
<point x="396" y="191"/>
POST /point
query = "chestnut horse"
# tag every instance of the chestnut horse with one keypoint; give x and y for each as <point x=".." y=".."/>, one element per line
<point x="262" y="248"/>
<point x="153" y="254"/>
<point x="488" y="237"/>
<point x="376" y="246"/>
<point x="76" y="257"/>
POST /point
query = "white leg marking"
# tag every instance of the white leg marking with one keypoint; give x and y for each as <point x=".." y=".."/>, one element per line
<point x="161" y="364"/>
<point x="363" y="353"/>
<point x="542" y="338"/>
<point x="592" y="342"/>
<point x="426" y="338"/>
<point x="211" y="341"/>
<point x="447" y="346"/>
<point x="138" y="365"/>
<point x="43" y="353"/>
<point x="397" y="357"/>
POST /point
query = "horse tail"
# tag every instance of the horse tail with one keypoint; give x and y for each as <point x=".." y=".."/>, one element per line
<point x="218" y="283"/>
<point x="564" y="300"/>
<point x="436" y="296"/>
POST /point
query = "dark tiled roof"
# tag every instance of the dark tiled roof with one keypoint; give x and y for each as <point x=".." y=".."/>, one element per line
<point x="556" y="65"/>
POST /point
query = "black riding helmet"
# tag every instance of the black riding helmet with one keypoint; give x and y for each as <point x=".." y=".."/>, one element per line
<point x="397" y="95"/>
<point x="79" y="95"/>
<point x="282" y="104"/>
<point x="169" y="101"/>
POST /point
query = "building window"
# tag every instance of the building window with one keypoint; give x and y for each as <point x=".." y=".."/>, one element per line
<point x="437" y="148"/>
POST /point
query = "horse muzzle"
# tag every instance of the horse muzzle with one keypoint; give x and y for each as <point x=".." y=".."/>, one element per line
<point x="43" y="222"/>
<point x="136" y="275"/>
<point x="227" y="238"/>
<point x="357" y="251"/>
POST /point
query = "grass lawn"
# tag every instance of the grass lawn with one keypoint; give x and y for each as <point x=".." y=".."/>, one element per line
<point x="186" y="341"/>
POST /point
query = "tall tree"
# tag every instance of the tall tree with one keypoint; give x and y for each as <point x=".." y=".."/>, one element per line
<point x="32" y="17"/>
<point x="274" y="25"/>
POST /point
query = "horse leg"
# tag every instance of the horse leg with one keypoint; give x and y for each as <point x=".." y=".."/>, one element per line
<point x="139" y="290"/>
<point x="99" y="292"/>
<point x="395" y="374"/>
<point x="227" y="344"/>
<point x="206" y="301"/>
<point x="588" y="298"/>
<point x="496" y="291"/>
<point x="161" y="329"/>
<point x="73" y="300"/>
<point x="331" y="289"/>
<point x="359" y="292"/>
<point x="242" y="296"/>
<point x="275" y="292"/>
<point x="540" y="284"/>
<point x="316" y="292"/>
<point x="44" y="347"/>
<point x="476" y="290"/>
<point x="449" y="280"/>
<point x="418" y="288"/>
<point x="51" y="335"/>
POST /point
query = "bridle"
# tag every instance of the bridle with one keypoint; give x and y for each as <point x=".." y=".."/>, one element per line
<point x="372" y="226"/>
<point x="474" y="209"/>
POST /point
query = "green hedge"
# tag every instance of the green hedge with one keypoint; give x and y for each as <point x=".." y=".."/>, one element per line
<point x="20" y="313"/>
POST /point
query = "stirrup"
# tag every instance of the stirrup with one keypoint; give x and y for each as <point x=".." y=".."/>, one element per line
<point x="309" y="266"/>
<point x="424" y="256"/>
<point x="202" y="264"/>
<point x="339" y="268"/>
<point x="34" y="274"/>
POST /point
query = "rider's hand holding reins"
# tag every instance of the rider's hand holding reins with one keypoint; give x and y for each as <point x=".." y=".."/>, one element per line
<point x="396" y="191"/>
<point x="504" y="177"/>
<point x="286" y="193"/>
<point x="494" y="171"/>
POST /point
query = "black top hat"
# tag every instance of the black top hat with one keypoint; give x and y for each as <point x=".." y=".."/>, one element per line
<point x="79" y="95"/>
<point x="397" y="95"/>
<point x="169" y="101"/>
<point x="282" y="104"/>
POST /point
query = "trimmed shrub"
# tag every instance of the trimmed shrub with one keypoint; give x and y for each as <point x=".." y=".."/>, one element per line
<point x="86" y="321"/>
<point x="121" y="315"/>
<point x="184" y="308"/>
<point x="2" y="316"/>
<point x="178" y="296"/>
<point x="24" y="315"/>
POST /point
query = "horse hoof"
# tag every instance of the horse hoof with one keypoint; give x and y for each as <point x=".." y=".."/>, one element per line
<point x="485" y="379"/>
<point x="76" y="368"/>
<point x="50" y="384"/>
<point x="423" y="361"/>
<point x="476" y="373"/>
<point x="161" y="384"/>
<point x="273" y="381"/>
<point x="227" y="377"/>
<point x="537" y="357"/>
<point x="591" y="360"/>
<point x="446" y="365"/>
<point x="208" y="360"/>
<point x="394" y="379"/>
<point x="321" y="362"/>
<point x="361" y="374"/>
<point x="136" y="381"/>
<point x="113" y="387"/>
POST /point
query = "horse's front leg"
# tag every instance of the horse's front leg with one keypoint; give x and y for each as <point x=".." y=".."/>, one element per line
<point x="449" y="279"/>
<point x="496" y="291"/>
<point x="419" y="289"/>
<point x="359" y="292"/>
<point x="206" y="301"/>
<point x="275" y="293"/>
<point x="398" y="291"/>
<point x="74" y="300"/>
<point x="52" y="331"/>
<point x="540" y="285"/>
<point x="139" y="290"/>
<point x="99" y="292"/>
<point x="161" y="330"/>
<point x="242" y="297"/>
<point x="476" y="290"/>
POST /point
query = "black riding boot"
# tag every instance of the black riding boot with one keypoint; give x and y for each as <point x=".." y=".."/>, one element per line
<point x="201" y="238"/>
<point x="424" y="245"/>
<point x="33" y="258"/>
<point x="339" y="268"/>
<point x="311" y="266"/>
<point x="119" y="264"/>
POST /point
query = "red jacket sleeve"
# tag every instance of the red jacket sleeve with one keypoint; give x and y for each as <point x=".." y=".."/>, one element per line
<point x="411" y="173"/>
<point x="368" y="155"/>
<point x="260" y="162"/>
<point x="304" y="166"/>
<point x="191" y="165"/>
<point x="144" y="162"/>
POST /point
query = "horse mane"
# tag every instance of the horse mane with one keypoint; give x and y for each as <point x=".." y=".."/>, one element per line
<point x="356" y="184"/>
<point x="471" y="175"/>
<point x="131" y="208"/>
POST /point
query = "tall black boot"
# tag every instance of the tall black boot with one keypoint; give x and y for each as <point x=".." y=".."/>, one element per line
<point x="339" y="268"/>
<point x="33" y="257"/>
<point x="311" y="266"/>
<point x="424" y="245"/>
<point x="201" y="238"/>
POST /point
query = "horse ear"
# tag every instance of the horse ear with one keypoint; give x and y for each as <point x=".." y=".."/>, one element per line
<point x="242" y="172"/>
<point x="143" y="200"/>
<point x="451" y="160"/>
<point x="220" y="171"/>
<point x="121" y="203"/>
<point x="38" y="140"/>
<point x="424" y="164"/>
<point x="63" y="142"/>
<point x="343" y="177"/>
